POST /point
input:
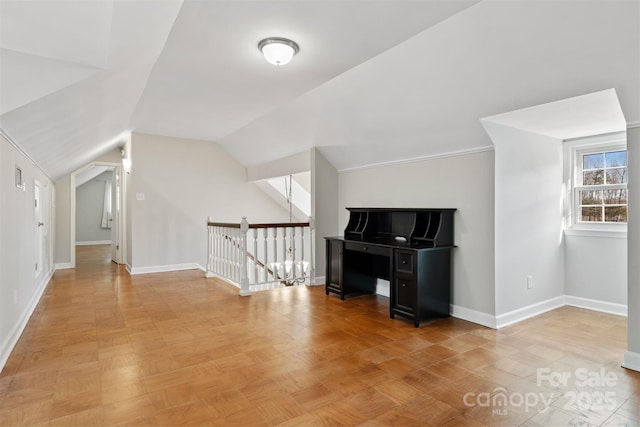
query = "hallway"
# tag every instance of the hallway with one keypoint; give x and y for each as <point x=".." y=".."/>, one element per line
<point x="106" y="348"/>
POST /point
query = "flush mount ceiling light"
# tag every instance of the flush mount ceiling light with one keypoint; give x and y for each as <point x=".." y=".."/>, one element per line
<point x="278" y="50"/>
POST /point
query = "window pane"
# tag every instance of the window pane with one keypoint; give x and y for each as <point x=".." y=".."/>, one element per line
<point x="616" y="158"/>
<point x="591" y="214"/>
<point x="590" y="197"/>
<point x="614" y="197"/>
<point x="615" y="213"/>
<point x="593" y="161"/>
<point x="593" y="177"/>
<point x="617" y="176"/>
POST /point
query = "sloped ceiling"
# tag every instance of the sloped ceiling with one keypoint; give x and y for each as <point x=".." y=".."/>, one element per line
<point x="593" y="114"/>
<point x="375" y="81"/>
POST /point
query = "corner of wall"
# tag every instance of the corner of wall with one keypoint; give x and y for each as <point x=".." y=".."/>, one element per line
<point x="324" y="204"/>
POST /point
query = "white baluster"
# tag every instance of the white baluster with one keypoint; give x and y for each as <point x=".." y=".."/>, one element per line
<point x="302" y="252"/>
<point x="231" y="257"/>
<point x="234" y="256"/>
<point x="275" y="254"/>
<point x="218" y="251"/>
<point x="218" y="234"/>
<point x="223" y="266"/>
<point x="237" y="261"/>
<point x="255" y="255"/>
<point x="293" y="252"/>
<point x="244" y="280"/>
<point x="265" y="272"/>
<point x="284" y="252"/>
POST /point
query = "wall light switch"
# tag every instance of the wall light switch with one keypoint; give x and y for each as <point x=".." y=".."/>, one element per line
<point x="139" y="196"/>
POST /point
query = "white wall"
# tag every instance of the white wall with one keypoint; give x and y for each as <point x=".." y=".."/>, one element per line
<point x="528" y="218"/>
<point x="62" y="244"/>
<point x="464" y="182"/>
<point x="632" y="356"/>
<point x="595" y="262"/>
<point x="89" y="207"/>
<point x="20" y="290"/>
<point x="324" y="206"/>
<point x="596" y="268"/>
<point x="183" y="182"/>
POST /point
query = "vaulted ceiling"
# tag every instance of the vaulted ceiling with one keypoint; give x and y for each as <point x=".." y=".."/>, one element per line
<point x="374" y="80"/>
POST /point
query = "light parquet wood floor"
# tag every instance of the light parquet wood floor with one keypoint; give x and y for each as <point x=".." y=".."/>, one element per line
<point x="104" y="348"/>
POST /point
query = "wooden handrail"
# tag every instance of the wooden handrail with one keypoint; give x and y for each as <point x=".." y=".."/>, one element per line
<point x="280" y="225"/>
<point x="271" y="225"/>
<point x="222" y="224"/>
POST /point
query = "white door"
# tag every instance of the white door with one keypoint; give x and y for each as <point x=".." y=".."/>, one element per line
<point x="39" y="227"/>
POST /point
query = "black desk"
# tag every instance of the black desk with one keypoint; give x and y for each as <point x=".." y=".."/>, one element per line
<point x="378" y="245"/>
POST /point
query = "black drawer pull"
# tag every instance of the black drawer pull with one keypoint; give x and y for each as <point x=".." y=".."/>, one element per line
<point x="364" y="248"/>
<point x="404" y="262"/>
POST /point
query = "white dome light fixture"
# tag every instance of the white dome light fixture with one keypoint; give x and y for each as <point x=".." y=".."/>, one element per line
<point x="278" y="50"/>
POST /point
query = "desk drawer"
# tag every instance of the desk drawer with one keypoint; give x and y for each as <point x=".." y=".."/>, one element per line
<point x="365" y="247"/>
<point x="405" y="261"/>
<point x="405" y="294"/>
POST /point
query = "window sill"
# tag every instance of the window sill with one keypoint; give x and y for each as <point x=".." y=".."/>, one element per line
<point x="620" y="233"/>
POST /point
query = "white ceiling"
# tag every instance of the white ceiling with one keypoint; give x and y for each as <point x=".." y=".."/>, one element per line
<point x="374" y="81"/>
<point x="88" y="174"/>
<point x="593" y="114"/>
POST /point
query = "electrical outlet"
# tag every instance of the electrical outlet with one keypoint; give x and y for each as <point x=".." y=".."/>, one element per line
<point x="529" y="282"/>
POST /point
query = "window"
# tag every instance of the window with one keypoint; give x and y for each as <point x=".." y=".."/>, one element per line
<point x="597" y="182"/>
<point x="602" y="187"/>
<point x="19" y="180"/>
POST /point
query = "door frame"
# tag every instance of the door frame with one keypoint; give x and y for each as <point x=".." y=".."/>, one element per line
<point x="119" y="217"/>
<point x="39" y="231"/>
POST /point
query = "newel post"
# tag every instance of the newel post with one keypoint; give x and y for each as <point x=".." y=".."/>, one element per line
<point x="244" y="279"/>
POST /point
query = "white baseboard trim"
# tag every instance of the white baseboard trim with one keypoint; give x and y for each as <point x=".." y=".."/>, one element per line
<point x="317" y="281"/>
<point x="529" y="311"/>
<point x="631" y="361"/>
<point x="12" y="339"/>
<point x="473" y="316"/>
<point x="163" y="268"/>
<point x="592" y="304"/>
<point x="515" y="316"/>
<point x="63" y="265"/>
<point x="93" y="242"/>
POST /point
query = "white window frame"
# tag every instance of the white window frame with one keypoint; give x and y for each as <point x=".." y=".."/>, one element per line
<point x="573" y="151"/>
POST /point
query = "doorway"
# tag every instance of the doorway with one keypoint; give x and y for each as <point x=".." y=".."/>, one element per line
<point x="108" y="228"/>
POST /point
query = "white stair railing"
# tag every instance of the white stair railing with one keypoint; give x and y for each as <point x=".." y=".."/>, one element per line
<point x="261" y="256"/>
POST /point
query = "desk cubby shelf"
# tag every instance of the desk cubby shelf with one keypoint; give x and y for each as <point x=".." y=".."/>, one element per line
<point x="419" y="227"/>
